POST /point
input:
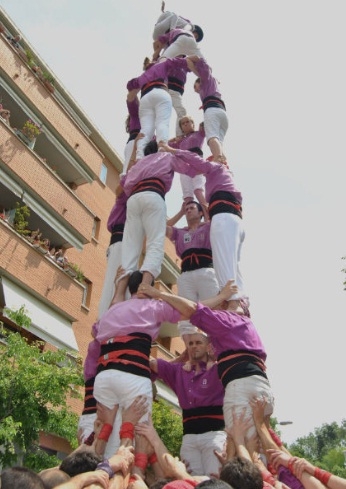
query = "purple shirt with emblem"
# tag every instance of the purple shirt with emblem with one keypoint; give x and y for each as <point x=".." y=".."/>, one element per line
<point x="185" y="238"/>
<point x="193" y="389"/>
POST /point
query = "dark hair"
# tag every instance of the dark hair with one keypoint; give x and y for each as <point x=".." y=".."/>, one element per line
<point x="53" y="477"/>
<point x="197" y="150"/>
<point x="135" y="280"/>
<point x="198" y="30"/>
<point x="151" y="148"/>
<point x="79" y="462"/>
<point x="241" y="474"/>
<point x="213" y="483"/>
<point x="199" y="207"/>
<point x="19" y="477"/>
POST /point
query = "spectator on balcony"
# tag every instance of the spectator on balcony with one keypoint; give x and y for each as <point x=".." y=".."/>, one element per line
<point x="5" y="115"/>
<point x="14" y="40"/>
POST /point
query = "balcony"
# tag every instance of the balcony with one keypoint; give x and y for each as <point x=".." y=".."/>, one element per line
<point x="23" y="91"/>
<point x="38" y="183"/>
<point x="24" y="264"/>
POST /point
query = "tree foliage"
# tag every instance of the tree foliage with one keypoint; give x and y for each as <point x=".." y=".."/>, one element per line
<point x="34" y="389"/>
<point x="324" y="447"/>
<point x="169" y="426"/>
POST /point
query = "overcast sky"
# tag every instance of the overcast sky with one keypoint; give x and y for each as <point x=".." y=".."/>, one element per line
<point x="281" y="70"/>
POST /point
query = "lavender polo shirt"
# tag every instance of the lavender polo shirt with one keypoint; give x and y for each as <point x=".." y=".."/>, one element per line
<point x="228" y="331"/>
<point x="135" y="316"/>
<point x="193" y="390"/>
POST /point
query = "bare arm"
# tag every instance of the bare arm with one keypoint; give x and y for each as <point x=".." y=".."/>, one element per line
<point x="228" y="290"/>
<point x="184" y="306"/>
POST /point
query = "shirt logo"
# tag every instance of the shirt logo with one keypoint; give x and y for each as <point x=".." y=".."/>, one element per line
<point x="187" y="238"/>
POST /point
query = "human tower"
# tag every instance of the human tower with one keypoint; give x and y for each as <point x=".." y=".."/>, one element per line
<point x="117" y="368"/>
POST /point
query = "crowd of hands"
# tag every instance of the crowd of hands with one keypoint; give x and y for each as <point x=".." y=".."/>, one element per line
<point x="129" y="463"/>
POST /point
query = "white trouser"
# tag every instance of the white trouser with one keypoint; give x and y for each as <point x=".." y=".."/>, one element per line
<point x="226" y="238"/>
<point x="177" y="101"/>
<point x="127" y="154"/>
<point x="116" y="387"/>
<point x="240" y="392"/>
<point x="154" y="112"/>
<point x="145" y="218"/>
<point x="85" y="426"/>
<point x="198" y="452"/>
<point x="166" y="22"/>
<point x="113" y="262"/>
<point x="182" y="45"/>
<point x="196" y="285"/>
<point x="215" y="123"/>
<point x="190" y="184"/>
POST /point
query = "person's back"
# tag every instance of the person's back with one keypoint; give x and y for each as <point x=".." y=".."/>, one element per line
<point x="19" y="478"/>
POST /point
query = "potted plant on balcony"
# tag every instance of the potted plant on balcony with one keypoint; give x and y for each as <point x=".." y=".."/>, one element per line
<point x="75" y="271"/>
<point x="20" y="223"/>
<point x="29" y="133"/>
<point x="31" y="60"/>
<point x="48" y="81"/>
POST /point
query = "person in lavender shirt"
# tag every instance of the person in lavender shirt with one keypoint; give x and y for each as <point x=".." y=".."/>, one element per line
<point x="238" y="347"/>
<point x="226" y="226"/>
<point x="200" y="394"/>
<point x="215" y="116"/>
<point x="191" y="139"/>
<point x="155" y="106"/>
<point x="178" y="42"/>
<point x="145" y="185"/>
<point x="168" y="21"/>
<point x="125" y="333"/>
<point x="115" y="225"/>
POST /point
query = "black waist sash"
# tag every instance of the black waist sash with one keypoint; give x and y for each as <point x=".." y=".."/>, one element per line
<point x="150" y="184"/>
<point x="89" y="400"/>
<point x="117" y="233"/>
<point x="176" y="85"/>
<point x="159" y="83"/>
<point x="238" y="365"/>
<point x="213" y="101"/>
<point x="133" y="134"/>
<point x="195" y="258"/>
<point x="126" y="353"/>
<point x="221" y="202"/>
<point x="202" y="419"/>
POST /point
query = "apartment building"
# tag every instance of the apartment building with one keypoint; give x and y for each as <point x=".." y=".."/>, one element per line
<point x="56" y="191"/>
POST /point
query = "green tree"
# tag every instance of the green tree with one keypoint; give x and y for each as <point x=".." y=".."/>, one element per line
<point x="324" y="447"/>
<point x="169" y="426"/>
<point x="34" y="389"/>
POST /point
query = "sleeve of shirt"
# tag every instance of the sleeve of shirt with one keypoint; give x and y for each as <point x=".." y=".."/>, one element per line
<point x="190" y="163"/>
<point x="167" y="372"/>
<point x="168" y="313"/>
<point x="174" y="234"/>
<point x="133" y="84"/>
<point x="285" y="476"/>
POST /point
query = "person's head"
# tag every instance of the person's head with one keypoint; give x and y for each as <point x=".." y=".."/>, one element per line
<point x="159" y="483"/>
<point x="151" y="148"/>
<point x="19" y="477"/>
<point x="135" y="280"/>
<point x="186" y="124"/>
<point x="79" y="462"/>
<point x="193" y="212"/>
<point x="197" y="345"/>
<point x="240" y="473"/>
<point x="197" y="85"/>
<point x="213" y="483"/>
<point x="198" y="33"/>
<point x="53" y="477"/>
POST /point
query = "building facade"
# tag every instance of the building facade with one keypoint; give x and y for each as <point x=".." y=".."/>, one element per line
<point x="57" y="185"/>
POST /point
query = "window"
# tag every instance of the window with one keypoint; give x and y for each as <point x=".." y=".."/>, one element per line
<point x="103" y="173"/>
<point x="87" y="293"/>
<point x="96" y="228"/>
